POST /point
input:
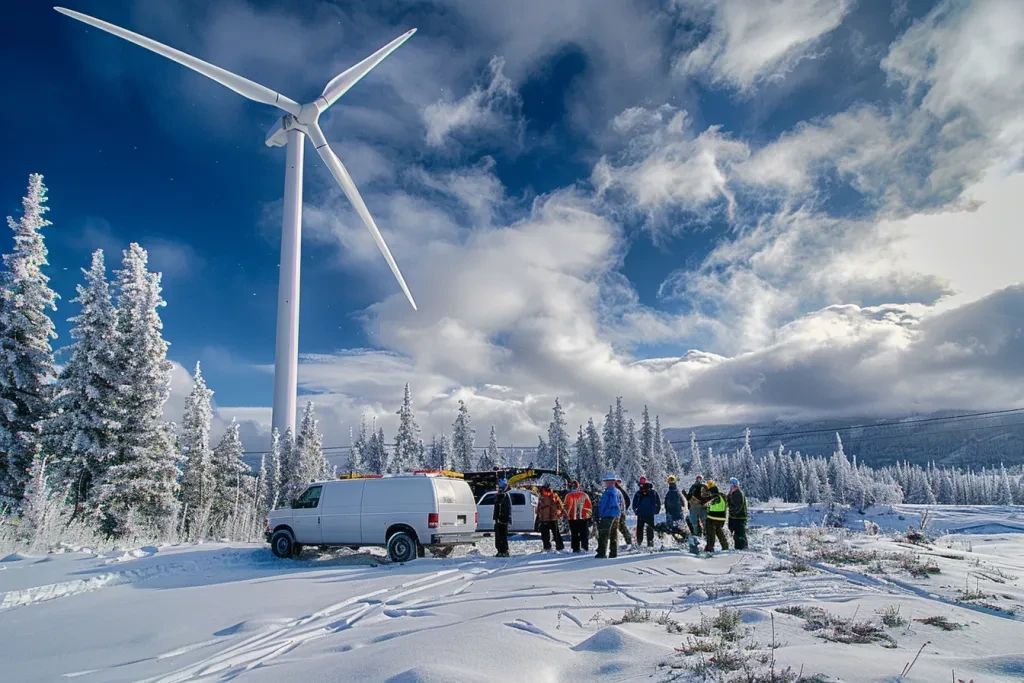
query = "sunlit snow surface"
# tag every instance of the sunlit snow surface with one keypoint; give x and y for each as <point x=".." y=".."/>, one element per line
<point x="224" y="612"/>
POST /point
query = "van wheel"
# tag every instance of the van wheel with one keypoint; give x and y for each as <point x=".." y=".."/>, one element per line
<point x="402" y="547"/>
<point x="282" y="543"/>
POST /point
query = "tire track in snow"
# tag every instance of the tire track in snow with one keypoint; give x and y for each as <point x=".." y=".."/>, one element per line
<point x="263" y="647"/>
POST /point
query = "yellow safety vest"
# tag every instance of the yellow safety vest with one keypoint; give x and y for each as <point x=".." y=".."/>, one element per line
<point x="716" y="509"/>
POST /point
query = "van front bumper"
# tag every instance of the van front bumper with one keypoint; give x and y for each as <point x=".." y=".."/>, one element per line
<point x="466" y="538"/>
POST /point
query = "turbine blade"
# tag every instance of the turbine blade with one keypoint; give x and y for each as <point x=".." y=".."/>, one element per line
<point x="242" y="86"/>
<point x="340" y="174"/>
<point x="340" y="84"/>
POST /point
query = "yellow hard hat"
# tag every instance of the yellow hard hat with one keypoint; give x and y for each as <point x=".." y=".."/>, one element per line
<point x="671" y="478"/>
<point x="710" y="484"/>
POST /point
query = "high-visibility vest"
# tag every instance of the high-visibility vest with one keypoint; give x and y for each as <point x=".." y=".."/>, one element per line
<point x="716" y="508"/>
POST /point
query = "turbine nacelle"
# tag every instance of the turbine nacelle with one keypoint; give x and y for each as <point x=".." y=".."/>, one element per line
<point x="309" y="115"/>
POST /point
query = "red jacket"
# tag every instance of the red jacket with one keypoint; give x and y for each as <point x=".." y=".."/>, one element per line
<point x="577" y="505"/>
<point x="549" y="507"/>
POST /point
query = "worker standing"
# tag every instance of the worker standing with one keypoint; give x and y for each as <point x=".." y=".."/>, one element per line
<point x="716" y="506"/>
<point x="502" y="518"/>
<point x="578" y="509"/>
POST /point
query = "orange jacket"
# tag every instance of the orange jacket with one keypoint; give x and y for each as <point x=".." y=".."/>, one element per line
<point x="577" y="505"/>
<point x="549" y="507"/>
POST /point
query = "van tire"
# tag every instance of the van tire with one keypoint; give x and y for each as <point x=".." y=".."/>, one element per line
<point x="282" y="544"/>
<point x="402" y="547"/>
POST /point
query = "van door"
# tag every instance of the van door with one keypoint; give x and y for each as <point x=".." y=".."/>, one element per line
<point x="524" y="510"/>
<point x="306" y="515"/>
<point x="456" y="509"/>
<point x="340" y="515"/>
<point x="485" y="508"/>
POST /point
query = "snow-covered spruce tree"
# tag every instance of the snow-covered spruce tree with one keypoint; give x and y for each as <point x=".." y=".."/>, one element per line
<point x="672" y="465"/>
<point x="358" y="451"/>
<point x="274" y="497"/>
<point x="407" y="448"/>
<point x="581" y="455"/>
<point x="1005" y="490"/>
<point x="228" y="470"/>
<point x="558" y="440"/>
<point x="611" y="449"/>
<point x="463" y="438"/>
<point x="309" y="445"/>
<point x="26" y="358"/>
<point x="197" y="483"/>
<point x="375" y="460"/>
<point x="140" y="493"/>
<point x="540" y="457"/>
<point x="696" y="466"/>
<point x="647" y="465"/>
<point x="81" y="434"/>
<point x="594" y="467"/>
<point x="658" y="451"/>
<point x="439" y="455"/>
<point x="145" y="446"/>
<point x="262" y="498"/>
<point x="291" y="476"/>
<point x="629" y="467"/>
<point x="491" y="459"/>
<point x="381" y="450"/>
<point x="620" y="430"/>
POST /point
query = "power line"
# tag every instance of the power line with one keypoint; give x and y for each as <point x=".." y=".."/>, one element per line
<point x="780" y="435"/>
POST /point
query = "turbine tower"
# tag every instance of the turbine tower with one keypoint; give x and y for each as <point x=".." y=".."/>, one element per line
<point x="298" y="123"/>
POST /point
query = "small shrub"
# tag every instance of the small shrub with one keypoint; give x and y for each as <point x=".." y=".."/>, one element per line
<point x="941" y="622"/>
<point x="634" y="615"/>
<point x="891" y="616"/>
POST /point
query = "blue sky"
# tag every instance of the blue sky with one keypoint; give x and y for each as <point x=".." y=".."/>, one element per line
<point x="730" y="211"/>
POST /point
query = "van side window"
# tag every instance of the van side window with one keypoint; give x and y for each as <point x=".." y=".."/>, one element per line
<point x="518" y="499"/>
<point x="487" y="499"/>
<point x="309" y="499"/>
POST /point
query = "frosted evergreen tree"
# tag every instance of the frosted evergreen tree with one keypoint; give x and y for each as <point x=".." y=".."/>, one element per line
<point x="439" y="455"/>
<point x="491" y="459"/>
<point x="629" y="468"/>
<point x="26" y="358"/>
<point x="381" y="449"/>
<point x="83" y="429"/>
<point x="696" y="465"/>
<point x="658" y="451"/>
<point x="291" y="469"/>
<point x="463" y="439"/>
<point x="611" y="448"/>
<point x="228" y="469"/>
<point x="648" y="466"/>
<point x="358" y="452"/>
<point x="620" y="429"/>
<point x="672" y="465"/>
<point x="812" y="487"/>
<point x="407" y="449"/>
<point x="274" y="497"/>
<point x="582" y="456"/>
<point x="41" y="502"/>
<point x="376" y="459"/>
<point x="198" y="486"/>
<point x="262" y="495"/>
<point x="839" y="471"/>
<point x="1005" y="495"/>
<point x="140" y="492"/>
<point x="541" y="457"/>
<point x="309" y="445"/>
<point x="144" y="378"/>
<point x="558" y="440"/>
<point x="592" y="469"/>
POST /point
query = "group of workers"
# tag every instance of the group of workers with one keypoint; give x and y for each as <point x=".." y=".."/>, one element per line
<point x="706" y="510"/>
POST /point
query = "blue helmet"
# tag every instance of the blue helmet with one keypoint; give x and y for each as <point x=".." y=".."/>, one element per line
<point x="609" y="477"/>
<point x="502" y="483"/>
<point x="734" y="482"/>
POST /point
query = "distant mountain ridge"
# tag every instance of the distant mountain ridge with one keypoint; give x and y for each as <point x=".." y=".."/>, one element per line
<point x="941" y="437"/>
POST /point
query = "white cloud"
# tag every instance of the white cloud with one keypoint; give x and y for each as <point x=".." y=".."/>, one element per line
<point x="756" y="40"/>
<point x="488" y="108"/>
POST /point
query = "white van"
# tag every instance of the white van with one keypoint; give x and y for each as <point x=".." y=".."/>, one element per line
<point x="524" y="510"/>
<point x="403" y="513"/>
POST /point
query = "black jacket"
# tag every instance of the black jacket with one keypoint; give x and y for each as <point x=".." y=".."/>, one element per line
<point x="737" y="504"/>
<point x="694" y="492"/>
<point x="502" y="508"/>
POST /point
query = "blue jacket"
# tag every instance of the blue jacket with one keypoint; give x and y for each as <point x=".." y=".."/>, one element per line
<point x="646" y="503"/>
<point x="611" y="504"/>
<point x="674" y="502"/>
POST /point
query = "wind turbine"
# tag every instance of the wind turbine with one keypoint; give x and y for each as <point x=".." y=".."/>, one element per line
<point x="298" y="123"/>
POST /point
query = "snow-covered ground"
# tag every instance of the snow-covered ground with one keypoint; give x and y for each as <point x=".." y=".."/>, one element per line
<point x="219" y="611"/>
